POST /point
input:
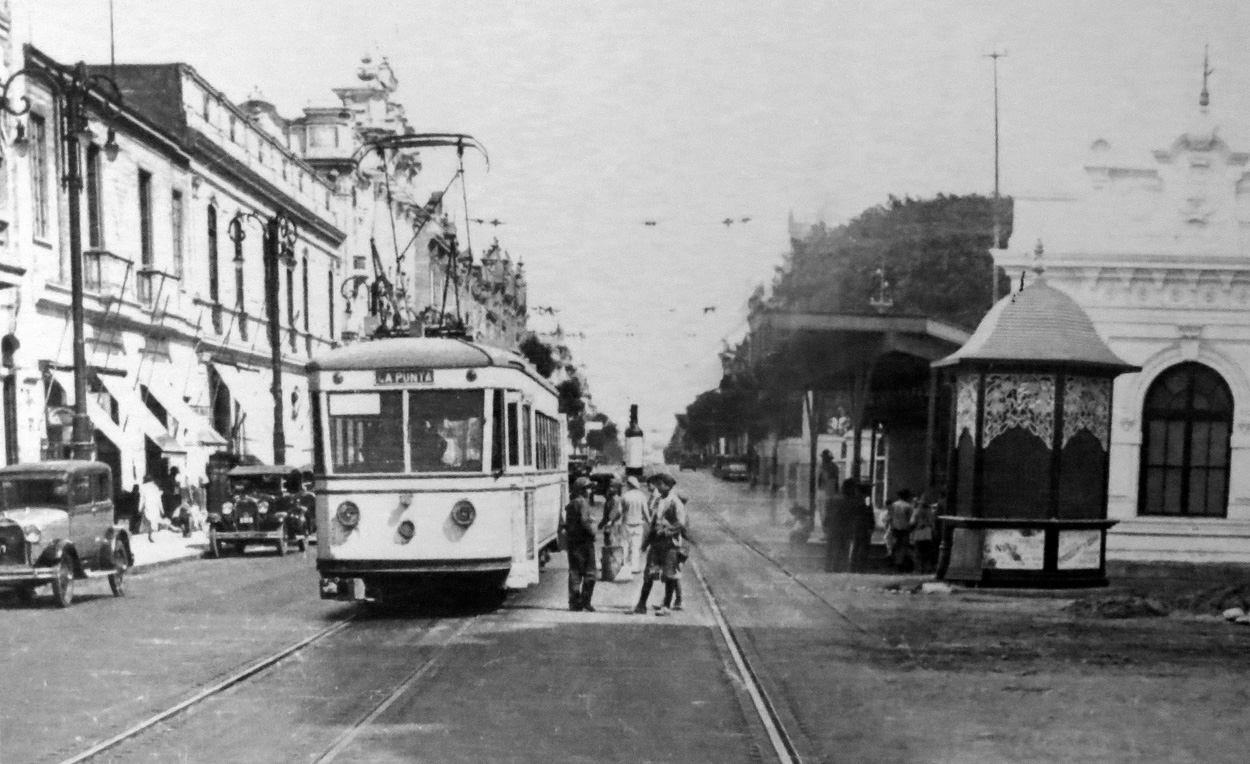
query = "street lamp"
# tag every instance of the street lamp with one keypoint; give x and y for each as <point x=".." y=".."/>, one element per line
<point x="279" y="244"/>
<point x="72" y="89"/>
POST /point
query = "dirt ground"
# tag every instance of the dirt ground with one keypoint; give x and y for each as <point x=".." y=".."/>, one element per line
<point x="1044" y="676"/>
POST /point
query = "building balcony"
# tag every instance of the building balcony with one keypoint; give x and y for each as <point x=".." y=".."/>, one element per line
<point x="106" y="274"/>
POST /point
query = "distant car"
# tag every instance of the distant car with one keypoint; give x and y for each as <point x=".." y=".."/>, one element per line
<point x="601" y="478"/>
<point x="688" y="463"/>
<point x="57" y="526"/>
<point x="733" y="469"/>
<point x="266" y="506"/>
<point x="579" y="466"/>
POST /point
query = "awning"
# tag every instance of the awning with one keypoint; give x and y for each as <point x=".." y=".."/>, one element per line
<point x="251" y="389"/>
<point x="135" y="414"/>
<point x="95" y="412"/>
<point x="196" y="428"/>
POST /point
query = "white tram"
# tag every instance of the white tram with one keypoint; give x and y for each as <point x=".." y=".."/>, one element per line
<point x="434" y="459"/>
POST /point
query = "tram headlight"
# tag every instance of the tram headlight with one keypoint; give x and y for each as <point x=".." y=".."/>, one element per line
<point x="406" y="530"/>
<point x="463" y="513"/>
<point x="348" y="514"/>
<point x="227" y="507"/>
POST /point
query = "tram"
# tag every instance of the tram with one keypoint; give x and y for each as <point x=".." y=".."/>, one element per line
<point x="437" y="461"/>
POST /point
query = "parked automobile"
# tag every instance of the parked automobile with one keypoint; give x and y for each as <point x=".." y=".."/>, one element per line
<point x="579" y="466"/>
<point x="688" y="462"/>
<point x="732" y="468"/>
<point x="601" y="477"/>
<point x="57" y="527"/>
<point x="265" y="507"/>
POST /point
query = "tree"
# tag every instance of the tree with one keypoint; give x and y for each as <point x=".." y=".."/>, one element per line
<point x="573" y="406"/>
<point x="934" y="253"/>
<point x="540" y="354"/>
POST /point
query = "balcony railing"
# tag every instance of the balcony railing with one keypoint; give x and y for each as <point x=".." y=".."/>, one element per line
<point x="105" y="273"/>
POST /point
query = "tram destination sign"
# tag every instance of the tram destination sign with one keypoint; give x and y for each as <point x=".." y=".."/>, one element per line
<point x="409" y="376"/>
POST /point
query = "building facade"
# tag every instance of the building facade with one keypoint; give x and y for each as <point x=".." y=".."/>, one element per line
<point x="1155" y="248"/>
<point x="173" y="230"/>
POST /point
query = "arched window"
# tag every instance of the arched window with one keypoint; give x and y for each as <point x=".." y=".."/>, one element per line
<point x="1186" y="421"/>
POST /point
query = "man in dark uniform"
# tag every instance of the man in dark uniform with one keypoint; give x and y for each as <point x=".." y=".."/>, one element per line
<point x="579" y="531"/>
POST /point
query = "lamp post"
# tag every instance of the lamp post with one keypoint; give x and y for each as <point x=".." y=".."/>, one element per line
<point x="72" y="90"/>
<point x="279" y="243"/>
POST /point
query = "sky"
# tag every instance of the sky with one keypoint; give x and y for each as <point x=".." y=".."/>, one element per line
<point x="599" y="116"/>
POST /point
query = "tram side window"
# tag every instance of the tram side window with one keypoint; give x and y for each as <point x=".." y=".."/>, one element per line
<point x="445" y="430"/>
<point x="527" y="432"/>
<point x="366" y="432"/>
<point x="514" y="439"/>
<point x="497" y="441"/>
<point x="548" y="434"/>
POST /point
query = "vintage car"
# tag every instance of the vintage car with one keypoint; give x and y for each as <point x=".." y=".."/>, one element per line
<point x="732" y="468"/>
<point x="57" y="526"/>
<point x="601" y="478"/>
<point x="266" y="506"/>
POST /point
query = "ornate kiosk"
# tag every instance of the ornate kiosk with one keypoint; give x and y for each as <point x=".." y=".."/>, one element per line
<point x="1027" y="495"/>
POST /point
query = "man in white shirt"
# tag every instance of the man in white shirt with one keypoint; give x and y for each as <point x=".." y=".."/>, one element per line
<point x="634" y="518"/>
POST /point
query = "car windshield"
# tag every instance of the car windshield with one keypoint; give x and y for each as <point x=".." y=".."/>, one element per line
<point x="34" y="492"/>
<point x="259" y="484"/>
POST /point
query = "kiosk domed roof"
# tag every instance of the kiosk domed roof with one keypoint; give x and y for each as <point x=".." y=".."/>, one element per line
<point x="1037" y="324"/>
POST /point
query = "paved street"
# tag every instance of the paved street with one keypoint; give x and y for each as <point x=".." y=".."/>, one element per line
<point x="853" y="672"/>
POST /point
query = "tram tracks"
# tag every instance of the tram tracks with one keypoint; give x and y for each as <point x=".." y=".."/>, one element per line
<point x="216" y="688"/>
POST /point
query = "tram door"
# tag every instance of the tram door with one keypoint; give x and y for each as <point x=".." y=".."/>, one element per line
<point x="520" y="449"/>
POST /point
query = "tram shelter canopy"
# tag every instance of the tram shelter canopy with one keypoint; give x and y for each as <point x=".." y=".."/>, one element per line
<point x="880" y="363"/>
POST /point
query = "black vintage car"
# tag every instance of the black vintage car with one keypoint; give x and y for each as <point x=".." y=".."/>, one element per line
<point x="57" y="526"/>
<point x="267" y="505"/>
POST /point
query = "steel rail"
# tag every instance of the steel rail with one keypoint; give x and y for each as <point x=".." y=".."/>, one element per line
<point x="241" y="675"/>
<point x="349" y="735"/>
<point x="754" y="548"/>
<point x="782" y="745"/>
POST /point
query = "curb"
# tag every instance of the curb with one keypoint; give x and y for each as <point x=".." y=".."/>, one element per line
<point x="156" y="565"/>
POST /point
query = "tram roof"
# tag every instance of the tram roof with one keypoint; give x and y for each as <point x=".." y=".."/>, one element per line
<point x="427" y="352"/>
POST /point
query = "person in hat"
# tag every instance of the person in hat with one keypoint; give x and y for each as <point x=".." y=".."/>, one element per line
<point x="611" y="528"/>
<point x="579" y="530"/>
<point x="634" y="517"/>
<point x="665" y="544"/>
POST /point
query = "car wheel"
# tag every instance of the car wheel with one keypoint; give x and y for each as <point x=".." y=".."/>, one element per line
<point x="282" y="547"/>
<point x="25" y="595"/>
<point x="63" y="584"/>
<point x="121" y="563"/>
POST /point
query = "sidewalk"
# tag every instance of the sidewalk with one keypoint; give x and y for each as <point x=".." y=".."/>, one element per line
<point x="166" y="548"/>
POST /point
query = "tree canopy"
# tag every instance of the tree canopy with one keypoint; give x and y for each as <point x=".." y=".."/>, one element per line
<point x="934" y="255"/>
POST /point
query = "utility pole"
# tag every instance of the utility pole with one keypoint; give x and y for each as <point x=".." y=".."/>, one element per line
<point x="995" y="211"/>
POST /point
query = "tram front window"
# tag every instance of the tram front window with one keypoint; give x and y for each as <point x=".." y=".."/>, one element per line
<point x="445" y="430"/>
<point x="366" y="432"/>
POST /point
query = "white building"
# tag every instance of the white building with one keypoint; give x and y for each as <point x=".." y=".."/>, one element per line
<point x="1156" y="247"/>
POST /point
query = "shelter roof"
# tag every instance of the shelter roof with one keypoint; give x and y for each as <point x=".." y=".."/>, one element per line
<point x="1037" y="323"/>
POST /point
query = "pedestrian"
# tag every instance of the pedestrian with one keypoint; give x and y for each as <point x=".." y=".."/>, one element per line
<point x="613" y="535"/>
<point x="826" y="486"/>
<point x="899" y="525"/>
<point x="665" y="547"/>
<point x="863" y="524"/>
<point x="579" y="531"/>
<point x="151" y="506"/>
<point x="840" y="517"/>
<point x="923" y="534"/>
<point x="126" y="509"/>
<point x="634" y="516"/>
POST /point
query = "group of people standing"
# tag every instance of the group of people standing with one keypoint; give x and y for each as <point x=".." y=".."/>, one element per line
<point x="911" y="537"/>
<point x="648" y="529"/>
